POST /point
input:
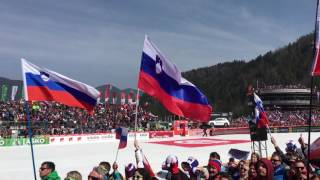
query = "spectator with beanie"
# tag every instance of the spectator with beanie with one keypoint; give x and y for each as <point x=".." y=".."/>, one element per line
<point x="190" y="166"/>
<point x="290" y="151"/>
<point x="172" y="165"/>
<point x="47" y="171"/>
<point x="130" y="171"/>
<point x="214" y="169"/>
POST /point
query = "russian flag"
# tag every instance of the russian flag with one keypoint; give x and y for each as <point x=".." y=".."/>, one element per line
<point x="261" y="115"/>
<point x="122" y="134"/>
<point x="162" y="79"/>
<point x="41" y="84"/>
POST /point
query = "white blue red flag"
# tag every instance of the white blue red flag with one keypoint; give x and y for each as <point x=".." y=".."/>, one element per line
<point x="122" y="134"/>
<point x="316" y="62"/>
<point x="260" y="115"/>
<point x="41" y="84"/>
<point x="162" y="79"/>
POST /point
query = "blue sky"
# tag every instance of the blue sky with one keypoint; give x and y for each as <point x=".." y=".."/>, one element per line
<point x="100" y="41"/>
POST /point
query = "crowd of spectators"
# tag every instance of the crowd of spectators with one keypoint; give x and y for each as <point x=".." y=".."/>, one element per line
<point x="283" y="118"/>
<point x="51" y="118"/>
<point x="291" y="164"/>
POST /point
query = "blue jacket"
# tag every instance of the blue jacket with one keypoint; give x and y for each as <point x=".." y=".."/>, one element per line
<point x="280" y="173"/>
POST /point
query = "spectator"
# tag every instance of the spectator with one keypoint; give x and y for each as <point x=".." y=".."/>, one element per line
<point x="279" y="169"/>
<point x="255" y="157"/>
<point x="141" y="170"/>
<point x="214" y="169"/>
<point x="232" y="169"/>
<point x="130" y="170"/>
<point x="116" y="175"/>
<point x="264" y="169"/>
<point x="300" y="170"/>
<point x="252" y="172"/>
<point x="190" y="166"/>
<point x="95" y="174"/>
<point x="244" y="171"/>
<point x="47" y="171"/>
<point x="214" y="156"/>
<point x="104" y="168"/>
<point x="73" y="175"/>
<point x="171" y="164"/>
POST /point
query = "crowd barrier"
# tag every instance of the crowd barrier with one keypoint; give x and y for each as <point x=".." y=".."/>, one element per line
<point x="111" y="137"/>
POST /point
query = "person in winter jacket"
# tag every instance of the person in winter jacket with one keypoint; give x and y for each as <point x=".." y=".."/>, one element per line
<point x="47" y="171"/>
<point x="172" y="165"/>
<point x="143" y="170"/>
<point x="190" y="166"/>
<point x="280" y="172"/>
<point x="264" y="169"/>
<point x="214" y="169"/>
<point x="116" y="175"/>
<point x="252" y="171"/>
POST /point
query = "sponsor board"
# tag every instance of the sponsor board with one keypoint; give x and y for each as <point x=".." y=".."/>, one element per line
<point x="24" y="141"/>
<point x="94" y="138"/>
<point x="140" y="136"/>
<point x="200" y="142"/>
<point x="160" y="134"/>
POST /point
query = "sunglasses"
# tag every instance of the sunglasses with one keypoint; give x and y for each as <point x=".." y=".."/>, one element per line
<point x="275" y="160"/>
<point x="42" y="168"/>
<point x="299" y="167"/>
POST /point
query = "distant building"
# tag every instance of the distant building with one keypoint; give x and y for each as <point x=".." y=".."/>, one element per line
<point x="286" y="99"/>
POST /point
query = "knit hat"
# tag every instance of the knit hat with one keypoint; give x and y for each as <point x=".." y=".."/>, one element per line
<point x="130" y="170"/>
<point x="193" y="163"/>
<point x="171" y="159"/>
<point x="216" y="164"/>
<point x="172" y="164"/>
<point x="291" y="146"/>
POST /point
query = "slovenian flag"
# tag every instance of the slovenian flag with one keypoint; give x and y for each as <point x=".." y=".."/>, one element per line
<point x="122" y="134"/>
<point x="162" y="79"/>
<point x="41" y="84"/>
<point x="260" y="114"/>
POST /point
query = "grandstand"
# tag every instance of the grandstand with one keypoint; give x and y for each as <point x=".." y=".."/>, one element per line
<point x="286" y="99"/>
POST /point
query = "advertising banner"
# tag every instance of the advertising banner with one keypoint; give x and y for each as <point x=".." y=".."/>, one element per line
<point x="160" y="134"/>
<point x="23" y="141"/>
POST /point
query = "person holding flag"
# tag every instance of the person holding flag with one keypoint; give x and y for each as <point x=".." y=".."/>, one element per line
<point x="41" y="84"/>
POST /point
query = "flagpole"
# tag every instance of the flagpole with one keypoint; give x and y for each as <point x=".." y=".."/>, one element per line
<point x="315" y="39"/>
<point x="136" y="117"/>
<point x="309" y="126"/>
<point x="269" y="131"/>
<point x="117" y="155"/>
<point x="30" y="138"/>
